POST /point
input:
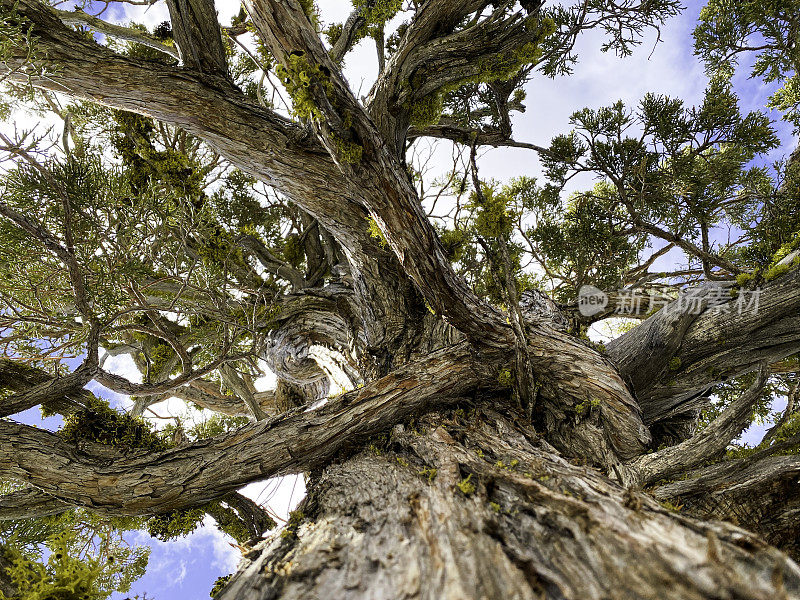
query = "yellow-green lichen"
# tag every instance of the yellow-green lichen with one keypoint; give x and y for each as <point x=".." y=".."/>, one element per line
<point x="505" y="378"/>
<point x="299" y="77"/>
<point x="296" y="518"/>
<point x="347" y="151"/>
<point x="427" y="111"/>
<point x="466" y="486"/>
<point x="429" y="473"/>
<point x="376" y="233"/>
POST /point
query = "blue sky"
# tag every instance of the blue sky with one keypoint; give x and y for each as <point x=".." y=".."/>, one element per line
<point x="186" y="569"/>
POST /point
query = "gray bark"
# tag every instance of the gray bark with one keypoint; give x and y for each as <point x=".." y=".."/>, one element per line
<point x="378" y="525"/>
<point x="456" y="504"/>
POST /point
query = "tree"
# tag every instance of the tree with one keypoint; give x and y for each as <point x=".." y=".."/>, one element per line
<point x="481" y="445"/>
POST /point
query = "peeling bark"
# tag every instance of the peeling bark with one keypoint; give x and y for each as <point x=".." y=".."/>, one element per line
<point x="379" y="525"/>
<point x="705" y="345"/>
<point x="111" y="481"/>
<point x="455" y="504"/>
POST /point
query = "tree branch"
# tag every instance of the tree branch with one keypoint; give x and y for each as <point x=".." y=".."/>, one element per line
<point x="79" y="17"/>
<point x="192" y="474"/>
<point x="30" y="503"/>
<point x="197" y="35"/>
<point x="704" y="445"/>
<point x="347" y="37"/>
<point x="706" y="345"/>
<point x="466" y="137"/>
<point x="759" y="492"/>
<point x="34" y="386"/>
<point x="379" y="178"/>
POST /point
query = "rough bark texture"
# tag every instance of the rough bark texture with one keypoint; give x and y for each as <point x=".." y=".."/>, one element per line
<point x="145" y="482"/>
<point x="759" y="493"/>
<point x="467" y="503"/>
<point x="383" y="524"/>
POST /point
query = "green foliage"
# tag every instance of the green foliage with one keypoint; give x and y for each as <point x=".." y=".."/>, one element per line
<point x="729" y="28"/>
<point x="99" y="423"/>
<point x="216" y="424"/>
<point x="787" y="431"/>
<point x="494" y="217"/>
<point x="346" y="150"/>
<point x="727" y="391"/>
<point x="622" y="27"/>
<point x="506" y="378"/>
<point x="686" y="173"/>
<point x="582" y="242"/>
<point x="179" y="523"/>
<point x="487" y="222"/>
<point x="775" y="266"/>
<point x="176" y="523"/>
<point x="76" y="568"/>
<point x="310" y="9"/>
<point x="220" y="583"/>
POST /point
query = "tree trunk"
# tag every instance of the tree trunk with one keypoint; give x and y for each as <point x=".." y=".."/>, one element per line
<point x="473" y="504"/>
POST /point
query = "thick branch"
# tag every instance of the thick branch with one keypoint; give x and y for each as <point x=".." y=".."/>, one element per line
<point x="759" y="492"/>
<point x="239" y="386"/>
<point x="192" y="474"/>
<point x="206" y="394"/>
<point x="704" y="445"/>
<point x="675" y="355"/>
<point x="78" y="17"/>
<point x="197" y="35"/>
<point x="435" y="17"/>
<point x="270" y="262"/>
<point x="348" y="35"/>
<point x="30" y="503"/>
<point x="33" y="386"/>
<point x="379" y="177"/>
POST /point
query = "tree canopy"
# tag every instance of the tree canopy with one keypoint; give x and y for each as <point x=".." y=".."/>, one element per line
<point x="215" y="202"/>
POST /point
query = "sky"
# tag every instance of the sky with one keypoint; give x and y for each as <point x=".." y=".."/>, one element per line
<point x="186" y="569"/>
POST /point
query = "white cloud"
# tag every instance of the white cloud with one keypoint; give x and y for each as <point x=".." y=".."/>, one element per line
<point x="280" y="494"/>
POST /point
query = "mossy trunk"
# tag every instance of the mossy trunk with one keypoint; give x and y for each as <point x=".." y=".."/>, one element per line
<point x="473" y="504"/>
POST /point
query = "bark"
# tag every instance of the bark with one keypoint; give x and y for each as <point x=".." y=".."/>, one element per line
<point x="382" y="524"/>
<point x="674" y="357"/>
<point x="32" y="386"/>
<point x="759" y="492"/>
<point x="140" y="482"/>
<point x="197" y="35"/>
<point x="30" y="503"/>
